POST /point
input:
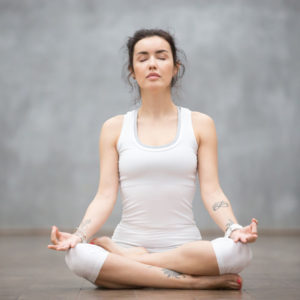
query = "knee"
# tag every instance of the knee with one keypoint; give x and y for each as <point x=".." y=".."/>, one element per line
<point x="86" y="260"/>
<point x="232" y="257"/>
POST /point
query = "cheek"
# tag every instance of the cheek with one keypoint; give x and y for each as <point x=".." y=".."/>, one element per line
<point x="168" y="68"/>
<point x="139" y="69"/>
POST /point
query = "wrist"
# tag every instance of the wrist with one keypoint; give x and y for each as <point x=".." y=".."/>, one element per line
<point x="81" y="234"/>
<point x="78" y="238"/>
<point x="232" y="228"/>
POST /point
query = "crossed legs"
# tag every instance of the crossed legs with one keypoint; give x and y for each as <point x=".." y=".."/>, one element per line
<point x="126" y="273"/>
<point x="109" y="265"/>
<point x="193" y="258"/>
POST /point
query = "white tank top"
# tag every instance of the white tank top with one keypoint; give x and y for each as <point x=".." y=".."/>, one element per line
<point x="157" y="185"/>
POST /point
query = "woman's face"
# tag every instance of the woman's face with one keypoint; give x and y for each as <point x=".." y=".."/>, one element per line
<point x="153" y="54"/>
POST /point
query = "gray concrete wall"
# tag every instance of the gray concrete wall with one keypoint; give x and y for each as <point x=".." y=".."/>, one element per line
<point x="60" y="79"/>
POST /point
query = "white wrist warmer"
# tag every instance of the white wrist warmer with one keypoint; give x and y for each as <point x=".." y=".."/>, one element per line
<point x="231" y="228"/>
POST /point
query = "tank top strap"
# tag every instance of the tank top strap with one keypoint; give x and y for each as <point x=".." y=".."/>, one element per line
<point x="126" y="134"/>
<point x="188" y="135"/>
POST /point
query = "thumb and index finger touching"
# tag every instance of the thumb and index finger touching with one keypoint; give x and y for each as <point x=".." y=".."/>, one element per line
<point x="54" y="237"/>
<point x="57" y="243"/>
<point x="253" y="226"/>
<point x="254" y="223"/>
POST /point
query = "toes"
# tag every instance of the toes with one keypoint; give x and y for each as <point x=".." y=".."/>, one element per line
<point x="240" y="282"/>
<point x="234" y="281"/>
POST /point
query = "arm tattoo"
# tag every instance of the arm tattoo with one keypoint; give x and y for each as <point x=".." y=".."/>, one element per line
<point x="84" y="224"/>
<point x="228" y="224"/>
<point x="81" y="230"/>
<point x="217" y="205"/>
<point x="171" y="273"/>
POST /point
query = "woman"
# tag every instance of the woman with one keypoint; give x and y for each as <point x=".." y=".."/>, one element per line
<point x="155" y="152"/>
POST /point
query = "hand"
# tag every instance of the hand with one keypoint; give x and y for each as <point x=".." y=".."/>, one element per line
<point x="247" y="234"/>
<point x="62" y="240"/>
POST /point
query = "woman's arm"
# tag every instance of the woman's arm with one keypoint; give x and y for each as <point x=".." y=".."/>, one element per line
<point x="103" y="203"/>
<point x="214" y="199"/>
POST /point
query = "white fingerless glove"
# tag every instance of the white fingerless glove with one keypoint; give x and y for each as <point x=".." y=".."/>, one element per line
<point x="231" y="228"/>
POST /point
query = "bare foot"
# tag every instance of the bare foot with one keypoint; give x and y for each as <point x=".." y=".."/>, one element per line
<point x="225" y="281"/>
<point x="112" y="247"/>
<point x="106" y="243"/>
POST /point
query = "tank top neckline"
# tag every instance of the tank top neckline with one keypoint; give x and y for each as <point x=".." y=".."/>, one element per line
<point x="166" y="146"/>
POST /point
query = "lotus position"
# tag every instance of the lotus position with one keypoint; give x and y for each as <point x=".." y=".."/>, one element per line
<point x="154" y="154"/>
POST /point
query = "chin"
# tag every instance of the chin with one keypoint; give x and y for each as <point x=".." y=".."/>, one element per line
<point x="154" y="87"/>
<point x="154" y="83"/>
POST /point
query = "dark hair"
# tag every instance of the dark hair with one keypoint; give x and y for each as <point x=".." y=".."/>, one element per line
<point x="143" y="33"/>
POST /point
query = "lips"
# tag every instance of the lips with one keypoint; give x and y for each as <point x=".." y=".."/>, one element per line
<point x="153" y="74"/>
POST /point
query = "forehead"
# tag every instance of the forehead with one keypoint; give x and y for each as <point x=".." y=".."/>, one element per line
<point x="151" y="44"/>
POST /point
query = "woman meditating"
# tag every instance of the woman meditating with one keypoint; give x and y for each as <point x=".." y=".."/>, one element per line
<point x="155" y="153"/>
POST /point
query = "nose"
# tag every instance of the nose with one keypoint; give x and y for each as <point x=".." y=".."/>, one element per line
<point x="152" y="62"/>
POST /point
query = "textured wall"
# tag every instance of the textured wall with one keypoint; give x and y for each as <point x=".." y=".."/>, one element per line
<point x="60" y="79"/>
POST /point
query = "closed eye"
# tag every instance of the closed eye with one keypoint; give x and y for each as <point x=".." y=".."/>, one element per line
<point x="159" y="58"/>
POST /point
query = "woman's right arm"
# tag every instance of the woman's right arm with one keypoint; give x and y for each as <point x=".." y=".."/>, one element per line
<point x="103" y="203"/>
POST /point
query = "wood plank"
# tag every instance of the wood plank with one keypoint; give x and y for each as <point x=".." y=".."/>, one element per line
<point x="29" y="270"/>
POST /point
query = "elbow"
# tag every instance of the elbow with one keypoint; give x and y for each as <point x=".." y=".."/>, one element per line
<point x="211" y="194"/>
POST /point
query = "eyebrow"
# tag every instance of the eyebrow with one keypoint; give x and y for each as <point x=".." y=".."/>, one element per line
<point x="145" y="52"/>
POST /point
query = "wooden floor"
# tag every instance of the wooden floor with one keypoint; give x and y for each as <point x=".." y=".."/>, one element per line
<point x="28" y="270"/>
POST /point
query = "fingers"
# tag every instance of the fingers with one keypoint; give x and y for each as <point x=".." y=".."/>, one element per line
<point x="252" y="239"/>
<point x="236" y="236"/>
<point x="65" y="244"/>
<point x="54" y="247"/>
<point x="244" y="237"/>
<point x="253" y="226"/>
<point x="236" y="239"/>
<point x="62" y="247"/>
<point x="53" y="235"/>
<point x="252" y="236"/>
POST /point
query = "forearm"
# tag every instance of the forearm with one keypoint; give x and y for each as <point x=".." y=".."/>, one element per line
<point x="219" y="208"/>
<point x="95" y="216"/>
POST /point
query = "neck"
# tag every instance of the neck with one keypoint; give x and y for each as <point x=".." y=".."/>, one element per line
<point x="156" y="104"/>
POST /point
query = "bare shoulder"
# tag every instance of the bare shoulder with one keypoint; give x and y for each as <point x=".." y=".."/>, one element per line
<point x="203" y="125"/>
<point x="201" y="117"/>
<point x="114" y="121"/>
<point x="112" y="127"/>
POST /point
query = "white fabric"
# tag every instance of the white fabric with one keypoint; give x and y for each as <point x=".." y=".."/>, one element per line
<point x="232" y="257"/>
<point x="86" y="260"/>
<point x="231" y="228"/>
<point x="157" y="185"/>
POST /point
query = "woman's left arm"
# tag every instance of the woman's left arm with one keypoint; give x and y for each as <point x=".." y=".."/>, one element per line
<point x="215" y="201"/>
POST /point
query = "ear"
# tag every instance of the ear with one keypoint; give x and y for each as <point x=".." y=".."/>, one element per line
<point x="132" y="73"/>
<point x="176" y="69"/>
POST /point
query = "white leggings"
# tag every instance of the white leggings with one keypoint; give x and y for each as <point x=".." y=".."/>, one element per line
<point x="86" y="260"/>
